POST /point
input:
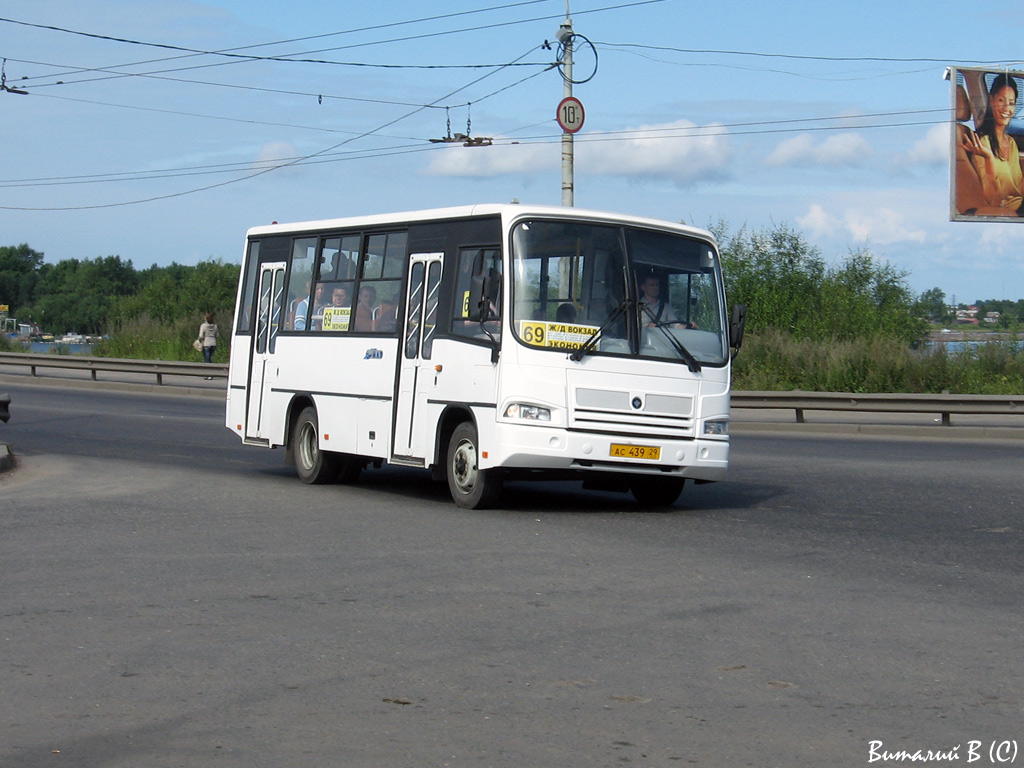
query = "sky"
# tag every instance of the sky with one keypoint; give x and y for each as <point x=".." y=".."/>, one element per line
<point x="160" y="131"/>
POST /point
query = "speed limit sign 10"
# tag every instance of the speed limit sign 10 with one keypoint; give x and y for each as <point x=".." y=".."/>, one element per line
<point x="570" y="114"/>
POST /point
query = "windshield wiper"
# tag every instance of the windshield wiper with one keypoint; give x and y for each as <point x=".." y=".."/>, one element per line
<point x="577" y="354"/>
<point x="691" y="362"/>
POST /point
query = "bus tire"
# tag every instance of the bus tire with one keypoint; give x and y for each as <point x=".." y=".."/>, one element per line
<point x="657" y="491"/>
<point x="314" y="466"/>
<point x="470" y="486"/>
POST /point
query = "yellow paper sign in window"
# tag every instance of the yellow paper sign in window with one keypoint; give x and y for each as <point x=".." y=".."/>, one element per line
<point x="336" y="318"/>
<point x="555" y="335"/>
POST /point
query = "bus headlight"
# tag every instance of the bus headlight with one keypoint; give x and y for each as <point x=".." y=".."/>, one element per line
<point x="716" y="428"/>
<point x="527" y="412"/>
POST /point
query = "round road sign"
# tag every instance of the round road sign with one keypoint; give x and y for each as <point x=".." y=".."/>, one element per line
<point x="570" y="114"/>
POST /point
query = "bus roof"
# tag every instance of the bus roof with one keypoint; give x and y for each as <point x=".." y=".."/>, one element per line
<point x="507" y="211"/>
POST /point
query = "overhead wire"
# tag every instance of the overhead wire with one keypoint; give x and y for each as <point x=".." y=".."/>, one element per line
<point x="764" y="127"/>
<point x="329" y="154"/>
<point x="230" y="51"/>
<point x="290" y="57"/>
<point x="268" y="169"/>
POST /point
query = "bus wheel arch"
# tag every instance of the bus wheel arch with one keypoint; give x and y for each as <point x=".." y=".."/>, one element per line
<point x="470" y="486"/>
<point x="452" y="416"/>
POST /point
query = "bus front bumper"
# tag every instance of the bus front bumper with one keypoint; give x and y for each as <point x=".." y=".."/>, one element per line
<point x="538" y="448"/>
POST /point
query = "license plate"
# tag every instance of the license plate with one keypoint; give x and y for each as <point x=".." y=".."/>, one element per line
<point x="649" y="452"/>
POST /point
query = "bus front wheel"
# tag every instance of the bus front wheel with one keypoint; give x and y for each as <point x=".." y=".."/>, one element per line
<point x="470" y="486"/>
<point x="314" y="466"/>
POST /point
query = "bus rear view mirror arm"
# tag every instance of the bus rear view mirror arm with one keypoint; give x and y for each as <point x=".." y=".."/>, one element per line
<point x="737" y="325"/>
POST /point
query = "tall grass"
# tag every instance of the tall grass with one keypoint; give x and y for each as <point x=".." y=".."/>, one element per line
<point x="8" y="344"/>
<point x="145" y="338"/>
<point x="774" y="360"/>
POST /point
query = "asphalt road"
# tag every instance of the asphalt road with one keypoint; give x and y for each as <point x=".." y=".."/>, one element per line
<point x="171" y="598"/>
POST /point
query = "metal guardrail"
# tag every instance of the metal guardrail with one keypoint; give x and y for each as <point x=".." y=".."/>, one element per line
<point x="798" y="401"/>
<point x="95" y="365"/>
<point x="944" y="404"/>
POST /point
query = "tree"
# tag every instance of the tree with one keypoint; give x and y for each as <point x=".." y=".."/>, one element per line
<point x="787" y="286"/>
<point x="75" y="295"/>
<point x="19" y="267"/>
<point x="176" y="292"/>
<point x="933" y="304"/>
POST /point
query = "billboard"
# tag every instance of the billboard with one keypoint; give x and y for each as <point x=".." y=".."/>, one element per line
<point x="987" y="181"/>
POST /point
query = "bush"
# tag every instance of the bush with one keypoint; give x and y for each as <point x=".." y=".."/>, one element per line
<point x="776" y="361"/>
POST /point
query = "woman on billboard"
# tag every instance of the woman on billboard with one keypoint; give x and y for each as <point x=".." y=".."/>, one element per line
<point x="994" y="153"/>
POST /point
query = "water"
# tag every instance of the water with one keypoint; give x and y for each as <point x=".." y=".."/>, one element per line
<point x="46" y="347"/>
<point x="955" y="347"/>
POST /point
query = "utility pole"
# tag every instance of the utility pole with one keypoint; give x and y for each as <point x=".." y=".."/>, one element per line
<point x="570" y="110"/>
<point x="565" y="38"/>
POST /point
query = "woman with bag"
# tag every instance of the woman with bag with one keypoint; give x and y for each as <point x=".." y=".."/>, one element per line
<point x="207" y="340"/>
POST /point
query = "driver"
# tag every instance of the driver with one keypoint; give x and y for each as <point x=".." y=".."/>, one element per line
<point x="655" y="311"/>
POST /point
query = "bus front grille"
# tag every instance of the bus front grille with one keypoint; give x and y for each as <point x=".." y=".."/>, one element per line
<point x="622" y="412"/>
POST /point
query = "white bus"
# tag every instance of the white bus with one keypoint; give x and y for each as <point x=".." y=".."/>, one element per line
<point x="485" y="343"/>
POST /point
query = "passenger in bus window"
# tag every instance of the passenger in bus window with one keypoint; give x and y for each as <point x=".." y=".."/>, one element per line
<point x="301" y="311"/>
<point x="337" y="313"/>
<point x="386" y="316"/>
<point x="364" y="308"/>
<point x="339" y="296"/>
<point x="319" y="302"/>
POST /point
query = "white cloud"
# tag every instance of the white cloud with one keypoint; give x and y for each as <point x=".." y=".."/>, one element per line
<point x="1002" y="238"/>
<point x="679" y="151"/>
<point x="878" y="226"/>
<point x="932" y="149"/>
<point x="496" y="160"/>
<point x="819" y="223"/>
<point x="883" y="226"/>
<point x="275" y="153"/>
<point x="670" y="151"/>
<point x="844" y="149"/>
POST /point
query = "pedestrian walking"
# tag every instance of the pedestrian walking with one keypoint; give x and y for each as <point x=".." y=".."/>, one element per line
<point x="208" y="334"/>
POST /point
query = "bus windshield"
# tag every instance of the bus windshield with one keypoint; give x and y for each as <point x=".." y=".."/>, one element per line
<point x="615" y="290"/>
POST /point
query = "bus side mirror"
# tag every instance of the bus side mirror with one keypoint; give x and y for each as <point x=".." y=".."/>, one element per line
<point x="483" y="294"/>
<point x="737" y="325"/>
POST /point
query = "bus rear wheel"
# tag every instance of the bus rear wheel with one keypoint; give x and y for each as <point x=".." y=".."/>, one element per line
<point x="314" y="466"/>
<point x="657" y="491"/>
<point x="470" y="486"/>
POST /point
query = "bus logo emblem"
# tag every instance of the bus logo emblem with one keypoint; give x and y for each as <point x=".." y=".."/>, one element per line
<point x="374" y="354"/>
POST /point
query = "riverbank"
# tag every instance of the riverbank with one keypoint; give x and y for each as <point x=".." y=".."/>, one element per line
<point x="956" y="334"/>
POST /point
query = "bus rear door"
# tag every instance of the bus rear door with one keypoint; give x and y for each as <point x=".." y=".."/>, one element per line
<point x="261" y="373"/>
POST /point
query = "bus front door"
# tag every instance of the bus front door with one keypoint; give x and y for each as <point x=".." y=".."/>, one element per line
<point x="268" y="322"/>
<point x="416" y="372"/>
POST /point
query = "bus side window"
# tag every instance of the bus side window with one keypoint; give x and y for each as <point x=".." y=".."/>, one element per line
<point x="249" y="287"/>
<point x="383" y="266"/>
<point x="385" y="256"/>
<point x="299" y="283"/>
<point x="339" y="258"/>
<point x="475" y="262"/>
